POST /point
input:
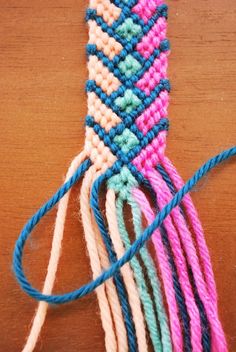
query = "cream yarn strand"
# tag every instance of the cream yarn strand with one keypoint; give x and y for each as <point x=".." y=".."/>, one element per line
<point x="126" y="271"/>
<point x="41" y="311"/>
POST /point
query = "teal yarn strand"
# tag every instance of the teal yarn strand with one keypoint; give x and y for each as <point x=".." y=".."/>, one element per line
<point x="145" y="297"/>
<point x="129" y="254"/>
<point x="122" y="184"/>
<point x="153" y="278"/>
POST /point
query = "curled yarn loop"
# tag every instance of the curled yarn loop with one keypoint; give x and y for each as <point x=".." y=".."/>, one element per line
<point x="126" y="257"/>
<point x="124" y="152"/>
<point x="130" y="253"/>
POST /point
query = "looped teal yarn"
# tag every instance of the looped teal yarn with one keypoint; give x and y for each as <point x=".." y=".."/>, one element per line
<point x="129" y="254"/>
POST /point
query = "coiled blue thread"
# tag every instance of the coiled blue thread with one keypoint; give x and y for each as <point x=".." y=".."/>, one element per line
<point x="115" y="267"/>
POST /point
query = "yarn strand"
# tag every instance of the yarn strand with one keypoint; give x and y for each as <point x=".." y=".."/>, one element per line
<point x="129" y="254"/>
<point x="197" y="228"/>
<point x="218" y="338"/>
<point x="126" y="271"/>
<point x="148" y="305"/>
<point x="41" y="311"/>
<point x="95" y="262"/>
<point x="153" y="278"/>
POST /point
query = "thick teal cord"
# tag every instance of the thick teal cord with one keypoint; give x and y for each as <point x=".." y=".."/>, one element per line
<point x="153" y="278"/>
<point x="130" y="253"/>
<point x="140" y="281"/>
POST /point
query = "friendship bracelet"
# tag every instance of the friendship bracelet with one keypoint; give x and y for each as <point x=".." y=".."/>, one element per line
<point x="126" y="129"/>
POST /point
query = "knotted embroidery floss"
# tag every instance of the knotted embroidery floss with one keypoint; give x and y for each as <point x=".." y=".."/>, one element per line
<point x="124" y="149"/>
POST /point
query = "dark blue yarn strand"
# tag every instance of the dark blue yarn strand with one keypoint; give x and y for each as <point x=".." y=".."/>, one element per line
<point x="129" y="254"/>
<point x="122" y="294"/>
<point x="182" y="308"/>
<point x="167" y="179"/>
<point x="206" y="333"/>
<point x="178" y="291"/>
<point x="30" y="225"/>
<point x="206" y="337"/>
<point x="117" y="278"/>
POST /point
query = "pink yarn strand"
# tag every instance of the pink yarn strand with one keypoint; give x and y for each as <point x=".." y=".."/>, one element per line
<point x="218" y="337"/>
<point x="162" y="260"/>
<point x="197" y="228"/>
<point x="195" y="323"/>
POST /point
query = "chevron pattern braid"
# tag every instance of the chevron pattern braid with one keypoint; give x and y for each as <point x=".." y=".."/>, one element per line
<point x="165" y="296"/>
<point x="127" y="87"/>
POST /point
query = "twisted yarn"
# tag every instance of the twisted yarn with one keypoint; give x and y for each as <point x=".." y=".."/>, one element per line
<point x="124" y="151"/>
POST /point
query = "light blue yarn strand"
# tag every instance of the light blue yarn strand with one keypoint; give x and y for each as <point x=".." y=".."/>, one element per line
<point x="145" y="297"/>
<point x="153" y="278"/>
<point x="129" y="254"/>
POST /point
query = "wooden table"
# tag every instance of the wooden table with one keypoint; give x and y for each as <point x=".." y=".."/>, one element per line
<point x="43" y="104"/>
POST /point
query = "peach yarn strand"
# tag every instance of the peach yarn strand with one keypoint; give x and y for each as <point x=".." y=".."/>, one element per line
<point x="126" y="271"/>
<point x="112" y="295"/>
<point x="106" y="316"/>
<point x="109" y="285"/>
<point x="41" y="311"/>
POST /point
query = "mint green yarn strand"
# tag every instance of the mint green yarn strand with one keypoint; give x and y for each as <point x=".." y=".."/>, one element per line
<point x="153" y="278"/>
<point x="145" y="297"/>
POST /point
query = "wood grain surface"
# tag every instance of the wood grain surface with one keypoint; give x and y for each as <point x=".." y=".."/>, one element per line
<point x="43" y="105"/>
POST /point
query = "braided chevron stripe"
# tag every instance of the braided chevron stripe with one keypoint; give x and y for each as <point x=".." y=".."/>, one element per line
<point x="127" y="86"/>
